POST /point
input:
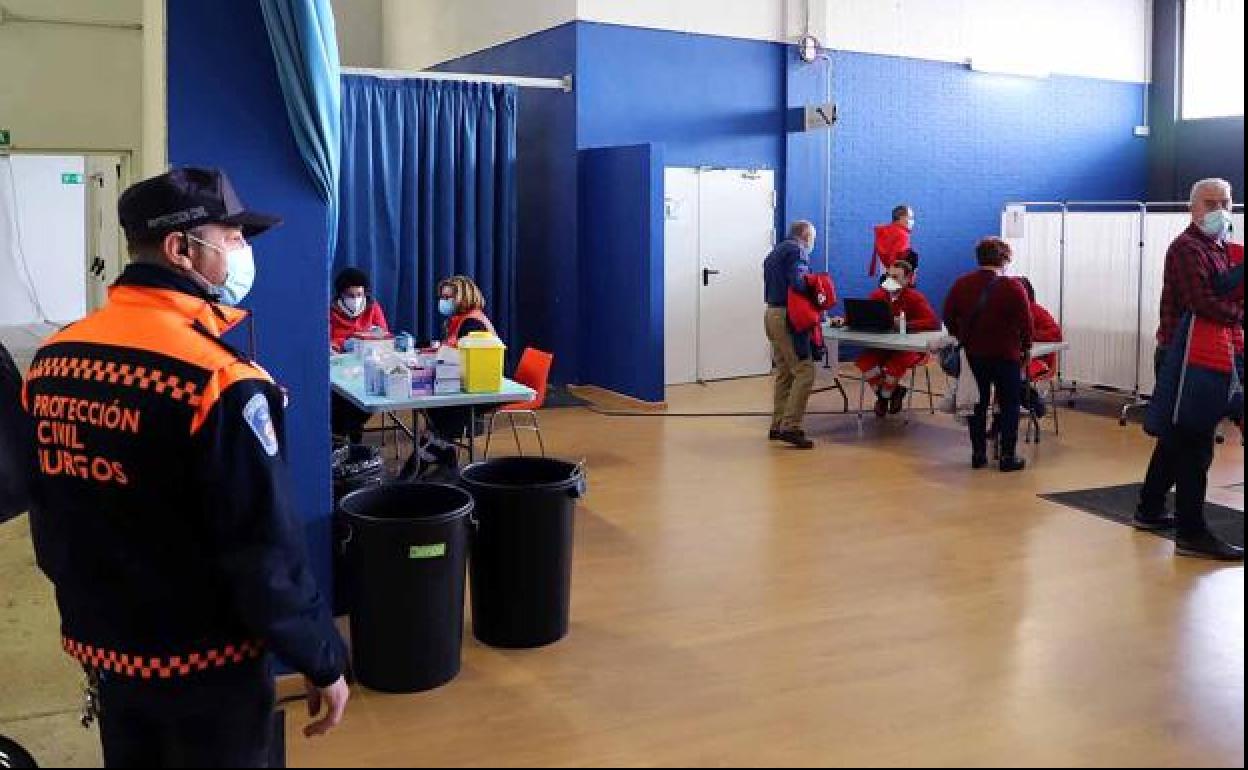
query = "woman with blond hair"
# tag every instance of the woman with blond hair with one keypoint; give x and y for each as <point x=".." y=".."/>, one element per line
<point x="461" y="302"/>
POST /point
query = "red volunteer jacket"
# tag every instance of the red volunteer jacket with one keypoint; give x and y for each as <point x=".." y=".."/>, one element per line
<point x="919" y="314"/>
<point x="892" y="241"/>
<point x="341" y="326"/>
<point x="806" y="308"/>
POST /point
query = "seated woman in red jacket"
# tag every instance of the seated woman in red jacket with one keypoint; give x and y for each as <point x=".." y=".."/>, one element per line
<point x="884" y="369"/>
<point x="353" y="310"/>
<point x="1046" y="330"/>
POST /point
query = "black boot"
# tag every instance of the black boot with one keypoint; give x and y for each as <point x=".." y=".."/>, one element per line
<point x="1011" y="463"/>
<point x="1206" y="545"/>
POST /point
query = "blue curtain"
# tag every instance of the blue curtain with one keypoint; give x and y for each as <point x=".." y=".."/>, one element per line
<point x="305" y="50"/>
<point x="428" y="191"/>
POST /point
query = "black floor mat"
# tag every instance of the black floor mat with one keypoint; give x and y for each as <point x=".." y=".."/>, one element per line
<point x="558" y="396"/>
<point x="1118" y="504"/>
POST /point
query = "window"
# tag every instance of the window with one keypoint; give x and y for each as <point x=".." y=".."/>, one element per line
<point x="1213" y="59"/>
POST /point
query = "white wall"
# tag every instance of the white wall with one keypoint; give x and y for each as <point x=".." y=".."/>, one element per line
<point x="155" y="128"/>
<point x="358" y="24"/>
<point x="751" y="19"/>
<point x="1106" y="39"/>
<point x="421" y="33"/>
<point x="1093" y="38"/>
<point x="67" y="87"/>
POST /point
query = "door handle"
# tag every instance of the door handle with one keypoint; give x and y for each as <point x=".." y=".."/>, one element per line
<point x="706" y="275"/>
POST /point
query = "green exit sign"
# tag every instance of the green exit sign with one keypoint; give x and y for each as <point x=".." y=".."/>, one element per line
<point x="6" y="138"/>
<point x="71" y="178"/>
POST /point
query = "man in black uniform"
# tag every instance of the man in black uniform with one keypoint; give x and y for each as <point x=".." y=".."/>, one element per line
<point x="161" y="506"/>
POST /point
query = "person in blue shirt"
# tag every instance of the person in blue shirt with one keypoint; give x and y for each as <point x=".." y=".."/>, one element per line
<point x="784" y="268"/>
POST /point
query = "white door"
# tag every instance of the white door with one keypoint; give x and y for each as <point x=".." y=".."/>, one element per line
<point x="42" y="238"/>
<point x="719" y="224"/>
<point x="104" y="240"/>
<point x="681" y="266"/>
<point x="737" y="222"/>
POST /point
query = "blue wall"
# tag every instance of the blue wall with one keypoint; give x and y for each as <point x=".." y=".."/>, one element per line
<point x="709" y="101"/>
<point x="957" y="145"/>
<point x="547" y="291"/>
<point x="226" y="110"/>
<point x="621" y="225"/>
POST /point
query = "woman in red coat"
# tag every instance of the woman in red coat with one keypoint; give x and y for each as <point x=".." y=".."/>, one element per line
<point x="353" y="310"/>
<point x="884" y="369"/>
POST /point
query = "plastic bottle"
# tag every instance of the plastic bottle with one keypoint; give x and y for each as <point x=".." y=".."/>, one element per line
<point x="374" y="373"/>
<point x="901" y="322"/>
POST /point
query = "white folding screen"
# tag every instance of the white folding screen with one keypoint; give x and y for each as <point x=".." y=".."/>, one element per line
<point x="1038" y="255"/>
<point x="1105" y="282"/>
<point x="1100" y="298"/>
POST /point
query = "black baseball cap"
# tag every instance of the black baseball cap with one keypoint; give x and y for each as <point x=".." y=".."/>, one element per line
<point x="185" y="198"/>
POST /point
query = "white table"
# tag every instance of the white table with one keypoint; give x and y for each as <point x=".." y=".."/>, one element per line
<point x="915" y="342"/>
<point x="346" y="378"/>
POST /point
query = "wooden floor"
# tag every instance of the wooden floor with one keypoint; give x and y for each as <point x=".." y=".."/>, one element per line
<point x="871" y="602"/>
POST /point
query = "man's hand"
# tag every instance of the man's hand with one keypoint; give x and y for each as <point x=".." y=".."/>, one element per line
<point x="334" y="699"/>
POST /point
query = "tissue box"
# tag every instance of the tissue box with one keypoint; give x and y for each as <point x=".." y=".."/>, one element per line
<point x="449" y="372"/>
<point x="399" y="384"/>
<point x="448" y="355"/>
<point x="364" y="344"/>
<point x="447" y="387"/>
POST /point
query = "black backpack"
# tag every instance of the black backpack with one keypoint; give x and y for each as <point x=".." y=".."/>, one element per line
<point x="16" y="448"/>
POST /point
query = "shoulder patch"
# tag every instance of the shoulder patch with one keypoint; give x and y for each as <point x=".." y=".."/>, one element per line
<point x="256" y="415"/>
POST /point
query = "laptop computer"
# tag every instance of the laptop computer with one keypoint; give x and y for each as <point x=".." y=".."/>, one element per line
<point x="868" y="315"/>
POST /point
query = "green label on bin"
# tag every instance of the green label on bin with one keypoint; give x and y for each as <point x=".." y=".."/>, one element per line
<point x="432" y="551"/>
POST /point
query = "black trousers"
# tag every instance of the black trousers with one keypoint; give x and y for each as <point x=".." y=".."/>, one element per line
<point x="222" y="719"/>
<point x="1181" y="460"/>
<point x="347" y="419"/>
<point x="1005" y="377"/>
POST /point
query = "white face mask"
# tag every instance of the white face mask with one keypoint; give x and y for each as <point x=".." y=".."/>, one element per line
<point x="353" y="306"/>
<point x="891" y="285"/>
<point x="240" y="272"/>
<point x="910" y="223"/>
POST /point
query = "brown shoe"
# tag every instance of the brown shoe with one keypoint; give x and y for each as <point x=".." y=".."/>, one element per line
<point x="797" y="439"/>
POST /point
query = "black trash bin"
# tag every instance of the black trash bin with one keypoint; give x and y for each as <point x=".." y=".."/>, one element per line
<point x="355" y="466"/>
<point x="408" y="547"/>
<point x="13" y="755"/>
<point x="521" y="562"/>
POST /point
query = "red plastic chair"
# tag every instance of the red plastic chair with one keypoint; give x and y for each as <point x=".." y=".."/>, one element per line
<point x="534" y="372"/>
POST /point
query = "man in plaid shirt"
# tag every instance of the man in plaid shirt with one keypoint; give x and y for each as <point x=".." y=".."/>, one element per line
<point x="1194" y="261"/>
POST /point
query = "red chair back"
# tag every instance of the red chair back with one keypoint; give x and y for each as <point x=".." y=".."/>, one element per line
<point x="534" y="372"/>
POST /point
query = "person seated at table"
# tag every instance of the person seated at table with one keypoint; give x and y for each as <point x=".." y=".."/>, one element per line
<point x="884" y="369"/>
<point x="1047" y="329"/>
<point x="462" y="303"/>
<point x="353" y="309"/>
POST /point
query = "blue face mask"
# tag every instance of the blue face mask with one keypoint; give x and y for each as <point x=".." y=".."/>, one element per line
<point x="1216" y="224"/>
<point x="446" y="307"/>
<point x="240" y="272"/>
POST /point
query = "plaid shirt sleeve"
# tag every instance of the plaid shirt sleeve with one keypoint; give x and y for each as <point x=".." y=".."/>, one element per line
<point x="1191" y="272"/>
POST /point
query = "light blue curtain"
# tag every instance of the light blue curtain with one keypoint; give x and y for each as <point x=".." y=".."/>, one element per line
<point x="429" y="191"/>
<point x="306" y="52"/>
